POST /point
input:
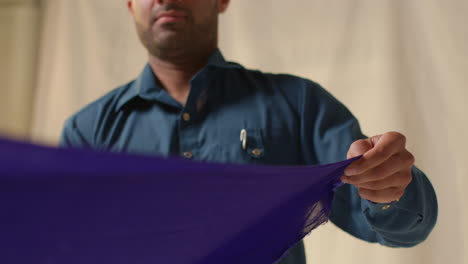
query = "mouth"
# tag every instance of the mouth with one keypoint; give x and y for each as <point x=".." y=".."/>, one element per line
<point x="171" y="17"/>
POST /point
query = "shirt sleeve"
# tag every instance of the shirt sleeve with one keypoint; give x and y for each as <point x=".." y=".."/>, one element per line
<point x="327" y="131"/>
<point x="71" y="135"/>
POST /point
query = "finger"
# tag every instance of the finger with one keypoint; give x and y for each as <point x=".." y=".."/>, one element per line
<point x="396" y="163"/>
<point x="382" y="196"/>
<point x="359" y="147"/>
<point x="400" y="179"/>
<point x="385" y="146"/>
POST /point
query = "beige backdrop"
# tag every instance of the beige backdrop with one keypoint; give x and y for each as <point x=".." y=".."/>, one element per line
<point x="19" y="35"/>
<point x="398" y="65"/>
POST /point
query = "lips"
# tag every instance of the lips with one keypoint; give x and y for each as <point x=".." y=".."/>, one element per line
<point x="170" y="17"/>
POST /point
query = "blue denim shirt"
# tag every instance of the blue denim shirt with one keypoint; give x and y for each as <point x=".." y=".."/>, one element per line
<point x="286" y="120"/>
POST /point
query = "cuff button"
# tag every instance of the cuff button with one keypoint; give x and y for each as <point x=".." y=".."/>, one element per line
<point x="385" y="207"/>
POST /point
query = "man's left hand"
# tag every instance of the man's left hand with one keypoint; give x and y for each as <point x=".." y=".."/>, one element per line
<point x="384" y="170"/>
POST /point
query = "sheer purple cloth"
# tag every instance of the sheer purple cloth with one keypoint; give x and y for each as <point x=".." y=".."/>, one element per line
<point x="76" y="206"/>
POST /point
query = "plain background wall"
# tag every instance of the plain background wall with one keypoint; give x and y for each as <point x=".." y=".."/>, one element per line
<point x="19" y="35"/>
<point x="398" y="65"/>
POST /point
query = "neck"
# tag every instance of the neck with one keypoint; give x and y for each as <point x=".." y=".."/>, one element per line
<point x="175" y="70"/>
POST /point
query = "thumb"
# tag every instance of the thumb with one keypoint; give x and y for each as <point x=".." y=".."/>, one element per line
<point x="359" y="147"/>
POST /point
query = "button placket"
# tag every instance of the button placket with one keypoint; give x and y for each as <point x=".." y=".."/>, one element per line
<point x="187" y="135"/>
<point x="188" y="131"/>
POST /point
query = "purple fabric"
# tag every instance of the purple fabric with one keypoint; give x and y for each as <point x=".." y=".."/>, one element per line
<point x="76" y="206"/>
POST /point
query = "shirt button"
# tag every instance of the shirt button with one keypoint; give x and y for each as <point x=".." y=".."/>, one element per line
<point x="385" y="207"/>
<point x="188" y="155"/>
<point x="186" y="117"/>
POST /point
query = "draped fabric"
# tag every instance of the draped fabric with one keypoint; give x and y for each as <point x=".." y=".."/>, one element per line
<point x="77" y="206"/>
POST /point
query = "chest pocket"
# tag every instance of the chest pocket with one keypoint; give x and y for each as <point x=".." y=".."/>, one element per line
<point x="256" y="147"/>
<point x="241" y="146"/>
<point x="262" y="144"/>
<point x="251" y="142"/>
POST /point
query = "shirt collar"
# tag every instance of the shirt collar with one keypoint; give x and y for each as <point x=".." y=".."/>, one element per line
<point x="147" y="87"/>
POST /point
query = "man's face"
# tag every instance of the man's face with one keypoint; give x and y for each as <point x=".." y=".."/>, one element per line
<point x="171" y="24"/>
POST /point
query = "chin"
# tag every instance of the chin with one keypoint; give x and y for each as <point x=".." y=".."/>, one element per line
<point x="171" y="40"/>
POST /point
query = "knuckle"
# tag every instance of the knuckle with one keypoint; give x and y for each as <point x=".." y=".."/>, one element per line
<point x="350" y="180"/>
<point x="380" y="151"/>
<point x="397" y="194"/>
<point x="360" y="141"/>
<point x="383" y="177"/>
<point x="356" y="180"/>
<point x="378" y="185"/>
<point x="362" y="191"/>
<point x="357" y="145"/>
<point x="399" y="137"/>
<point x="369" y="185"/>
<point x="363" y="144"/>
<point x="408" y="179"/>
<point x="405" y="159"/>
<point x="355" y="148"/>
<point x="410" y="158"/>
<point x="366" y="194"/>
<point x="379" y="173"/>
<point x="357" y="142"/>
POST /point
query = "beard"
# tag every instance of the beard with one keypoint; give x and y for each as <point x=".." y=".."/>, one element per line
<point x="164" y="37"/>
<point x="179" y="37"/>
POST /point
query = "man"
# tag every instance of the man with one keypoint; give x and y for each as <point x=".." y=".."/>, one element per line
<point x="189" y="101"/>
